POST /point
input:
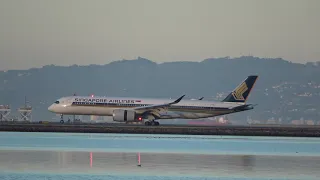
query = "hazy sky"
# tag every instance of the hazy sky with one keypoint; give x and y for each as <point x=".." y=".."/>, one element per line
<point x="34" y="33"/>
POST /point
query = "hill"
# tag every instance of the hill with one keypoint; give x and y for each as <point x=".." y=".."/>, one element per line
<point x="284" y="90"/>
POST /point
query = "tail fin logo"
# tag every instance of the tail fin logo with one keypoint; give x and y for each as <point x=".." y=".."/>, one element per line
<point x="238" y="93"/>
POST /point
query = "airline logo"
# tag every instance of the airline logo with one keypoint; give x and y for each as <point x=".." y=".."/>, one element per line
<point x="238" y="93"/>
<point x="97" y="100"/>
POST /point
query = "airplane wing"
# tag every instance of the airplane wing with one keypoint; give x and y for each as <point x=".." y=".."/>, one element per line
<point x="200" y="98"/>
<point x="156" y="109"/>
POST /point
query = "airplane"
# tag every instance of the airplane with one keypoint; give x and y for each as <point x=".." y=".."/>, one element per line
<point x="150" y="110"/>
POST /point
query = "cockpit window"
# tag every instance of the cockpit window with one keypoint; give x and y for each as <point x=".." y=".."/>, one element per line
<point x="57" y="102"/>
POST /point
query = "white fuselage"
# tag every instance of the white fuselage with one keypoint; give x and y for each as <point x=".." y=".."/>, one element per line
<point x="104" y="106"/>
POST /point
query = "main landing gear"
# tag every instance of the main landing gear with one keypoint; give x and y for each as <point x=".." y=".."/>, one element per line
<point x="152" y="123"/>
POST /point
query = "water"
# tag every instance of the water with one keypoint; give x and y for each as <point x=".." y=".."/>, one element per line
<point x="115" y="156"/>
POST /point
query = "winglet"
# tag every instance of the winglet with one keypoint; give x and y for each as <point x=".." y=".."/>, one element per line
<point x="200" y="98"/>
<point x="177" y="101"/>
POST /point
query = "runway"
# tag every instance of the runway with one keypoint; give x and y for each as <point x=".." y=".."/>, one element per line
<point x="252" y="130"/>
<point x="93" y="124"/>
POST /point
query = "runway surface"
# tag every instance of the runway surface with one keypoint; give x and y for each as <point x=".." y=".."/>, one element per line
<point x="93" y="124"/>
<point x="252" y="130"/>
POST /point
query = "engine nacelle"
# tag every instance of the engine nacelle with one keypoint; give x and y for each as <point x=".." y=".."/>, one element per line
<point x="121" y="115"/>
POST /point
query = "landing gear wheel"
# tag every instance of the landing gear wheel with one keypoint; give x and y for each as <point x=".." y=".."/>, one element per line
<point x="61" y="119"/>
<point x="152" y="123"/>
<point x="147" y="123"/>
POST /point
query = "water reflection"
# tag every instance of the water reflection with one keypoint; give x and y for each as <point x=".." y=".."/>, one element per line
<point x="156" y="164"/>
<point x="90" y="159"/>
<point x="247" y="162"/>
<point x="139" y="160"/>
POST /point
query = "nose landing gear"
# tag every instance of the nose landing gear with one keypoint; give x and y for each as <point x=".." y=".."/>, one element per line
<point x="61" y="119"/>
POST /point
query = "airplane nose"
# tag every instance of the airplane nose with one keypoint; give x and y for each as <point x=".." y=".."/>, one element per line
<point x="50" y="108"/>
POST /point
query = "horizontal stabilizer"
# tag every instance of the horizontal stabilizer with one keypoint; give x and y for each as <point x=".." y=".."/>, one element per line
<point x="244" y="107"/>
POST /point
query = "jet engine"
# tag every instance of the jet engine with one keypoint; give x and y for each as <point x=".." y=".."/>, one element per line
<point x="121" y="115"/>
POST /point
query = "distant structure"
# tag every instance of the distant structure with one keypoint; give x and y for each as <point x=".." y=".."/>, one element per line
<point x="4" y="112"/>
<point x="25" y="112"/>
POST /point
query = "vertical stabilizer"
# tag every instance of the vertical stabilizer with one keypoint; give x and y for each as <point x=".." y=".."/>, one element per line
<point x="241" y="93"/>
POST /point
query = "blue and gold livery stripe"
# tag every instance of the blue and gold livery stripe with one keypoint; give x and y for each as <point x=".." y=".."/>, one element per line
<point x="172" y="108"/>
